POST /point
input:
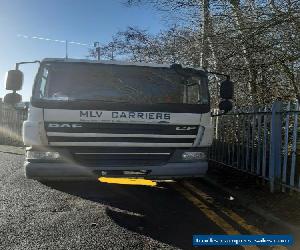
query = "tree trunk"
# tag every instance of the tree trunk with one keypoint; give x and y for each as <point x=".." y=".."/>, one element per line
<point x="204" y="34"/>
<point x="252" y="71"/>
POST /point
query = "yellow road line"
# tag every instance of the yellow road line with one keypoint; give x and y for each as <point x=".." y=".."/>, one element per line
<point x="234" y="216"/>
<point x="231" y="214"/>
<point x="127" y="181"/>
<point x="220" y="222"/>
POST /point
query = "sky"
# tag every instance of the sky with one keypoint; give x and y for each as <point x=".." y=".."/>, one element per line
<point x="84" y="21"/>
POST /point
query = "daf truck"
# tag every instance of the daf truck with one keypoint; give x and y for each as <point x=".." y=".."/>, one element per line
<point x="89" y="119"/>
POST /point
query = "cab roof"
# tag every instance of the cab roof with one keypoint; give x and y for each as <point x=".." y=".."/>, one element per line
<point x="124" y="63"/>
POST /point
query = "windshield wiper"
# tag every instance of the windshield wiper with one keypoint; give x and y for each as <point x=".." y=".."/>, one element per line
<point x="198" y="102"/>
<point x="99" y="100"/>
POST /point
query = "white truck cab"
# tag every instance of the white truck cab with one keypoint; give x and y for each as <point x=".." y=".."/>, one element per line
<point x="89" y="119"/>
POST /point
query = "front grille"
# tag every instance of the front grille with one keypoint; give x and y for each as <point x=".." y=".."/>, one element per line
<point x="121" y="160"/>
<point x="133" y="157"/>
<point x="118" y="134"/>
<point x="120" y="128"/>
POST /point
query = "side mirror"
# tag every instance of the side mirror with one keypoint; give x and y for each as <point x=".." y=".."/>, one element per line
<point x="21" y="106"/>
<point x="14" y="80"/>
<point x="225" y="105"/>
<point x="12" y="98"/>
<point x="226" y="89"/>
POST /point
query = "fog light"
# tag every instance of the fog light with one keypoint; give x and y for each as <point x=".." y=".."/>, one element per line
<point x="34" y="155"/>
<point x="192" y="156"/>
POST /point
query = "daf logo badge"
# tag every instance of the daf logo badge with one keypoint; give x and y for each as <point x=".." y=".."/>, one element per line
<point x="64" y="125"/>
<point x="185" y="128"/>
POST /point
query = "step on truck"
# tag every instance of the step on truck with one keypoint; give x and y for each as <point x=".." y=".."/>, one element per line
<point x="90" y="119"/>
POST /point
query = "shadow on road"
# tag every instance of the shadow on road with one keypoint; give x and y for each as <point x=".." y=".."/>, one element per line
<point x="157" y="212"/>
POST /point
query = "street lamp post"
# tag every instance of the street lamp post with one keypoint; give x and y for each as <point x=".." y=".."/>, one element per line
<point x="97" y="48"/>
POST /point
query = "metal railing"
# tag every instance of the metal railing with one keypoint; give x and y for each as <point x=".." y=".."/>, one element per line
<point x="11" y="121"/>
<point x="261" y="141"/>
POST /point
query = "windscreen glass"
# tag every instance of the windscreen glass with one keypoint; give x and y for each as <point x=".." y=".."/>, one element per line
<point x="117" y="83"/>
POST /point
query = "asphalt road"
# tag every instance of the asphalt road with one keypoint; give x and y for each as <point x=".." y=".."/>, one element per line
<point x="90" y="215"/>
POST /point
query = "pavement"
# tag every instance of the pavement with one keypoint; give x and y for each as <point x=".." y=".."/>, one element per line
<point x="94" y="215"/>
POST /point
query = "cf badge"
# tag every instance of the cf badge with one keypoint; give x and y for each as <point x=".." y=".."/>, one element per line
<point x="186" y="128"/>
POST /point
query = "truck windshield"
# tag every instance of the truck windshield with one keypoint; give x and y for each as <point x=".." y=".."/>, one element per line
<point x="118" y="83"/>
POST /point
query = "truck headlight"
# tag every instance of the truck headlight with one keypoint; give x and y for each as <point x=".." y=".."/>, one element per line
<point x="40" y="155"/>
<point x="193" y="156"/>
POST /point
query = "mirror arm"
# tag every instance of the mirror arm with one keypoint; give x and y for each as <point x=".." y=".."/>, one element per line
<point x="223" y="113"/>
<point x="18" y="64"/>
<point x="219" y="74"/>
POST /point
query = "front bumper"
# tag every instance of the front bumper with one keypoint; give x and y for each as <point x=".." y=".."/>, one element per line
<point x="44" y="171"/>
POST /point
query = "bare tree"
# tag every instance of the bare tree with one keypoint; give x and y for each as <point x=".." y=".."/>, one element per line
<point x="256" y="42"/>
